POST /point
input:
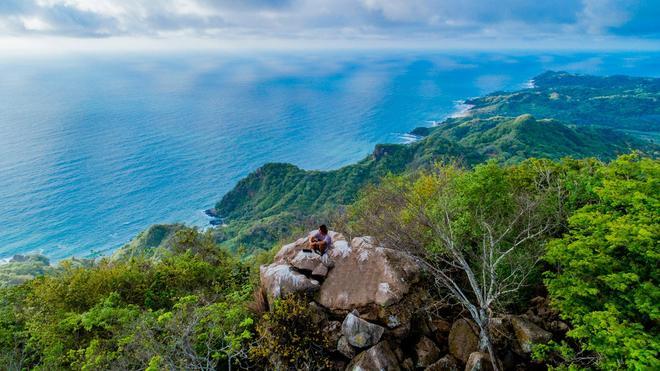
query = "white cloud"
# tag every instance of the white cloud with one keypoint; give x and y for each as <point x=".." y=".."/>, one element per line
<point x="345" y="21"/>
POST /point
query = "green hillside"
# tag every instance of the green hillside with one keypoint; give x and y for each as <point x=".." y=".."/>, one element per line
<point x="622" y="102"/>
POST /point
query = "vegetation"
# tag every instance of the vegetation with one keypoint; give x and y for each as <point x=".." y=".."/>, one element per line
<point x="289" y="338"/>
<point x="620" y="102"/>
<point x="184" y="311"/>
<point x="607" y="278"/>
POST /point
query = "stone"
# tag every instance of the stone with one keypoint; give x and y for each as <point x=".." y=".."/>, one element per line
<point x="345" y="348"/>
<point x="500" y="331"/>
<point x="446" y="363"/>
<point x="379" y="357"/>
<point x="363" y="242"/>
<point x="279" y="279"/>
<point x="366" y="276"/>
<point x="463" y="339"/>
<point x="401" y="331"/>
<point x="441" y="325"/>
<point x="528" y="334"/>
<point x="320" y="272"/>
<point x="361" y="333"/>
<point x="408" y="364"/>
<point x="427" y="352"/>
<point x="306" y="261"/>
<point x="478" y="361"/>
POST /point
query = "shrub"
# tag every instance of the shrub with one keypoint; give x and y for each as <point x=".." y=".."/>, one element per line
<point x="606" y="278"/>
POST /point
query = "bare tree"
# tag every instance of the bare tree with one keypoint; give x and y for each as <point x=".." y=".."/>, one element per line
<point x="479" y="250"/>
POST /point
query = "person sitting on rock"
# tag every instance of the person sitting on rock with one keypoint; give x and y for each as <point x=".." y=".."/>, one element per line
<point x="321" y="240"/>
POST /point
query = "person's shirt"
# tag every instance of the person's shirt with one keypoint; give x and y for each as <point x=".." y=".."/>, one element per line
<point x="327" y="239"/>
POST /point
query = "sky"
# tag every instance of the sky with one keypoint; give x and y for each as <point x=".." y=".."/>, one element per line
<point x="61" y="25"/>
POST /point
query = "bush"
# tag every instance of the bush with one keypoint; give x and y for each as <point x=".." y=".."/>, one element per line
<point x="289" y="338"/>
<point x="606" y="278"/>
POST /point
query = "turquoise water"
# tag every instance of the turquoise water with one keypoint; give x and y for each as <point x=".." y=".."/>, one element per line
<point x="95" y="149"/>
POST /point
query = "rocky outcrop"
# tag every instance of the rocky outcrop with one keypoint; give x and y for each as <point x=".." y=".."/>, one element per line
<point x="366" y="300"/>
<point x="463" y="339"/>
<point x="378" y="357"/>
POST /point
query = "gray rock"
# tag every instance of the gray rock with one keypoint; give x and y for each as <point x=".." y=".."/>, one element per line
<point x="528" y="334"/>
<point x="345" y="348"/>
<point x="379" y="357"/>
<point x="446" y="363"/>
<point x="306" y="261"/>
<point x="463" y="339"/>
<point x="359" y="332"/>
<point x="427" y="352"/>
<point x="478" y="361"/>
<point x="278" y="279"/>
<point x="320" y="272"/>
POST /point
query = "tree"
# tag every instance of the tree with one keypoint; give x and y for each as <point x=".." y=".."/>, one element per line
<point x="479" y="233"/>
<point x="606" y="273"/>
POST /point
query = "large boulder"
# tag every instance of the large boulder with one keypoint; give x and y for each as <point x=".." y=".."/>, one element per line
<point x="379" y="357"/>
<point x="359" y="332"/>
<point x="279" y="279"/>
<point x="463" y="339"/>
<point x="479" y="361"/>
<point x="427" y="352"/>
<point x="528" y="334"/>
<point x="366" y="275"/>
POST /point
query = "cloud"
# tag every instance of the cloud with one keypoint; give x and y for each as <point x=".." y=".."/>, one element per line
<point x="332" y="19"/>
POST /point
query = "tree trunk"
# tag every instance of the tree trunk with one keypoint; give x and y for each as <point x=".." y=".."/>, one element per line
<point x="485" y="345"/>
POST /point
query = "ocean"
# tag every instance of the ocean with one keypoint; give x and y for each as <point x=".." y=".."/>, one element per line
<point x="94" y="149"/>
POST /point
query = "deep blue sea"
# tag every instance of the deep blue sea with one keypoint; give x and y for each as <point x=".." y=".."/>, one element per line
<point x="95" y="149"/>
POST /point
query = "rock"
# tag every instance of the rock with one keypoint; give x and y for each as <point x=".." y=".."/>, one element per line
<point x="320" y="272"/>
<point x="306" y="261"/>
<point x="365" y="275"/>
<point x="408" y="364"/>
<point x="427" y="352"/>
<point x="463" y="339"/>
<point x="363" y="242"/>
<point x="441" y="326"/>
<point x="401" y="331"/>
<point x="378" y="357"/>
<point x="528" y="334"/>
<point x="278" y="279"/>
<point x="393" y="321"/>
<point x="359" y="332"/>
<point x="345" y="348"/>
<point x="478" y="361"/>
<point x="558" y="326"/>
<point x="446" y="363"/>
<point x="500" y="331"/>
